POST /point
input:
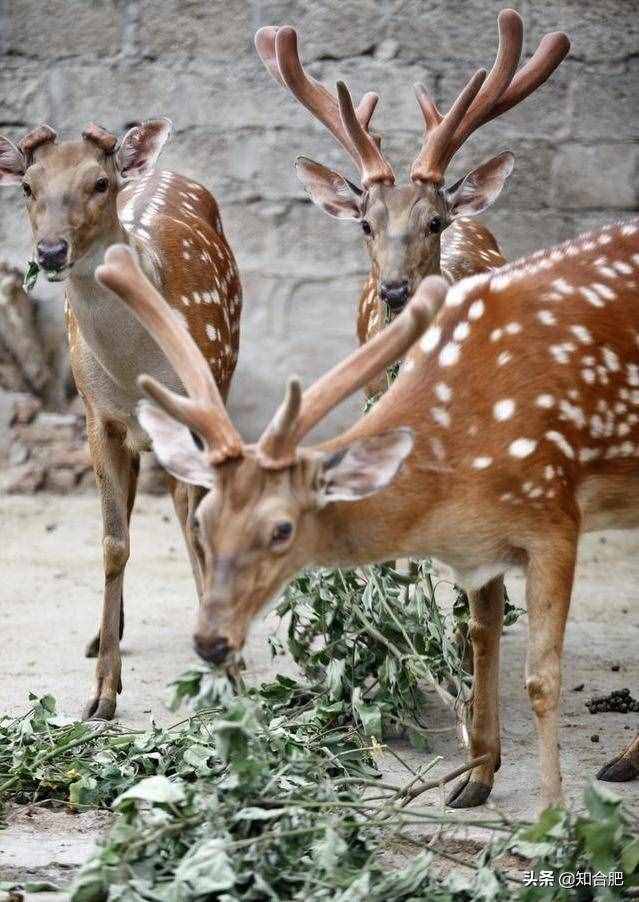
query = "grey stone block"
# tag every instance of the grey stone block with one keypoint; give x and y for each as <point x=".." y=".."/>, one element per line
<point x="328" y="30"/>
<point x="436" y="31"/>
<point x="24" y="100"/>
<point x="215" y="30"/>
<point x="600" y="30"/>
<point x="601" y="175"/>
<point x="605" y="100"/>
<point x="63" y="28"/>
<point x="521" y="232"/>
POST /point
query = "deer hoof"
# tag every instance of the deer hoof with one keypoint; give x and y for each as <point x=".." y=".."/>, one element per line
<point x="99" y="709"/>
<point x="92" y="649"/>
<point x="619" y="770"/>
<point x="468" y="794"/>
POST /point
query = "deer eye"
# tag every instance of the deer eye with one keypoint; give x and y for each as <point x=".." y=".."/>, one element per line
<point x="366" y="227"/>
<point x="282" y="532"/>
<point x="26" y="187"/>
<point x="102" y="185"/>
<point x="435" y="225"/>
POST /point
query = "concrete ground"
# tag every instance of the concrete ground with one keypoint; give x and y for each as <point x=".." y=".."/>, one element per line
<point x="50" y="595"/>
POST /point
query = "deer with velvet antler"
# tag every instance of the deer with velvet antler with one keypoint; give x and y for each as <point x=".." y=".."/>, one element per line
<point x="423" y="228"/>
<point x="82" y="196"/>
<point x="512" y="427"/>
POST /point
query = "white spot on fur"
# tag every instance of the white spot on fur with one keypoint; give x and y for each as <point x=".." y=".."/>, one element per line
<point x="522" y="447"/>
<point x="503" y="358"/>
<point x="546" y="401"/>
<point x="430" y="339"/>
<point x="462" y="331"/>
<point x="562" y="443"/>
<point x="441" y="416"/>
<point x="449" y="354"/>
<point x="480" y="463"/>
<point x="504" y="410"/>
<point x="443" y="392"/>
<point x="476" y="309"/>
<point x="546" y="318"/>
<point x="581" y="334"/>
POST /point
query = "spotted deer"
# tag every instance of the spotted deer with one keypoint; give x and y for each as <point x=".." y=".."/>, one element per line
<point x="512" y="427"/>
<point x="83" y="196"/>
<point x="415" y="230"/>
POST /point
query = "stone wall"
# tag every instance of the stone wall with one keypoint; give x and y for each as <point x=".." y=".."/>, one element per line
<point x="576" y="142"/>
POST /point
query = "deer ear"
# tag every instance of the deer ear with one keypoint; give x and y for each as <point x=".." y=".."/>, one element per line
<point x="480" y="187"/>
<point x="175" y="447"/>
<point x="12" y="163"/>
<point x="363" y="468"/>
<point x="141" y="147"/>
<point x="329" y="190"/>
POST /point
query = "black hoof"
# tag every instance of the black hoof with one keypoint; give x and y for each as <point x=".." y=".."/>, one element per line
<point x="619" y="770"/>
<point x="99" y="709"/>
<point x="468" y="794"/>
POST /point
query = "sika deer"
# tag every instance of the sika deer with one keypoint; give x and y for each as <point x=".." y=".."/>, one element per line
<point x="405" y="227"/>
<point x="82" y="196"/>
<point x="512" y="427"/>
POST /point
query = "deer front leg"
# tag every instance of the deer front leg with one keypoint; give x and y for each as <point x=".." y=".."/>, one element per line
<point x="116" y="469"/>
<point x="486" y="620"/>
<point x="624" y="767"/>
<point x="93" y="647"/>
<point x="185" y="501"/>
<point x="548" y="590"/>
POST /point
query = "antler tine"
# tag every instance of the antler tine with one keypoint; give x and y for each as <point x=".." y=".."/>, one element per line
<point x="511" y="37"/>
<point x="265" y="46"/>
<point x="437" y="149"/>
<point x="553" y="48"/>
<point x="274" y="448"/>
<point x="373" y="165"/>
<point x="203" y="410"/>
<point x="348" y="376"/>
<point x="503" y="89"/>
<point x="310" y="93"/>
<point x="277" y="47"/>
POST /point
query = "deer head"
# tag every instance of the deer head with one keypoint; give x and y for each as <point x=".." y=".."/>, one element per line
<point x="403" y="225"/>
<point x="257" y="524"/>
<point x="71" y="188"/>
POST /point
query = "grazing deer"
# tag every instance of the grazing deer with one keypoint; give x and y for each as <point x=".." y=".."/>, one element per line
<point x="82" y="196"/>
<point x="512" y="427"/>
<point x="406" y="227"/>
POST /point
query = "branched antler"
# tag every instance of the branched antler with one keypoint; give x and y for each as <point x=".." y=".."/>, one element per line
<point x="278" y="50"/>
<point x="484" y="97"/>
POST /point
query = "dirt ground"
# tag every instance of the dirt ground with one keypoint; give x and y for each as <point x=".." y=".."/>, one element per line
<point x="50" y="595"/>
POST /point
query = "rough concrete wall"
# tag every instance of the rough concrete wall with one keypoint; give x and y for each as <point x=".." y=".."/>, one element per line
<point x="576" y="142"/>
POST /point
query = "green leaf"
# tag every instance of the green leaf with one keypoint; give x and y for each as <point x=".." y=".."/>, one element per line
<point x="206" y="868"/>
<point x="31" y="275"/>
<point x="630" y="857"/>
<point x="158" y="790"/>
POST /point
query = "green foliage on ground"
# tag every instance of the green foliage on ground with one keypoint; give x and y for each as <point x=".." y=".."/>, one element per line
<point x="274" y="792"/>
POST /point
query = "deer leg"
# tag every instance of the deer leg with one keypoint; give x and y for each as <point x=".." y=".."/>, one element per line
<point x="624" y="767"/>
<point x="116" y="469"/>
<point x="185" y="501"/>
<point x="548" y="589"/>
<point x="94" y="645"/>
<point x="484" y="628"/>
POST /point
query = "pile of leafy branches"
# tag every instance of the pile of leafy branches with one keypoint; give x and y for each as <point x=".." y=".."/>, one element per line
<point x="273" y="792"/>
<point x="374" y="637"/>
<point x="263" y="796"/>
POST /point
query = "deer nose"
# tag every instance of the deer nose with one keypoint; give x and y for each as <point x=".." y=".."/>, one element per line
<point x="53" y="254"/>
<point x="395" y="294"/>
<point x="213" y="649"/>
